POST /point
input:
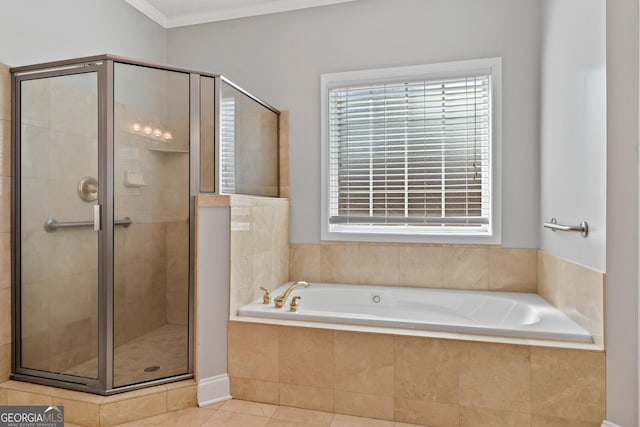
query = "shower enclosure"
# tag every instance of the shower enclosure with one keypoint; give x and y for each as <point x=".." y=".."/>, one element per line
<point x="108" y="153"/>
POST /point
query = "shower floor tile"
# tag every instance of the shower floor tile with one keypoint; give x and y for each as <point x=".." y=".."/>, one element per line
<point x="164" y="348"/>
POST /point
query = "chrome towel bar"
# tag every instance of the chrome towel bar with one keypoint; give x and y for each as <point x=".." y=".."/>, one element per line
<point x="52" y="225"/>
<point x="583" y="228"/>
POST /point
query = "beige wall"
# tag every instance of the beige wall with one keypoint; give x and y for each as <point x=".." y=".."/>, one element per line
<point x="416" y="380"/>
<point x="5" y="223"/>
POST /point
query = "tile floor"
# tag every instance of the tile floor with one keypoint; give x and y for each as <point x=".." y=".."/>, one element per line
<point x="239" y="413"/>
<point x="150" y="349"/>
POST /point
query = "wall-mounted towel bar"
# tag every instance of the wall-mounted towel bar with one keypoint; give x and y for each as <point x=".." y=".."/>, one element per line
<point x="583" y="228"/>
<point x="52" y="225"/>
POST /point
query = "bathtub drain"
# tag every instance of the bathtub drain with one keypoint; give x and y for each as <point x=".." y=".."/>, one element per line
<point x="376" y="299"/>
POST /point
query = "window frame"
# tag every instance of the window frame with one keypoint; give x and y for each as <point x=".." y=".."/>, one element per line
<point x="490" y="66"/>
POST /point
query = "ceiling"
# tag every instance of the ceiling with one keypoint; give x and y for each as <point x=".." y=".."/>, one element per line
<point x="179" y="13"/>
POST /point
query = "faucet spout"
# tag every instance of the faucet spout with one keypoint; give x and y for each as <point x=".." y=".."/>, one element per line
<point x="280" y="300"/>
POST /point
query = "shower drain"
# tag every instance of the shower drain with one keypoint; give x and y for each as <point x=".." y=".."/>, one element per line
<point x="152" y="368"/>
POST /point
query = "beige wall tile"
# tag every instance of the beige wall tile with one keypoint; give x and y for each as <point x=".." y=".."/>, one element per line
<point x="253" y="351"/>
<point x="431" y="414"/>
<point x="5" y="362"/>
<point x="284" y="147"/>
<point x="364" y="405"/>
<point x="495" y="376"/>
<point x="133" y="409"/>
<point x="543" y="421"/>
<point x="82" y="413"/>
<point x="3" y="397"/>
<point x="568" y="383"/>
<point x="421" y="266"/>
<point x="5" y="204"/>
<point x="364" y="363"/>
<point x="306" y="357"/>
<point x="5" y="92"/>
<point x="576" y="290"/>
<point x="250" y="408"/>
<point x="427" y="369"/>
<point x="480" y="417"/>
<point x="307" y="397"/>
<point x="5" y="260"/>
<point x="379" y="264"/>
<point x="5" y="316"/>
<point x="512" y="270"/>
<point x="546" y="272"/>
<point x="339" y="262"/>
<point x="255" y="390"/>
<point x="259" y="247"/>
<point x="304" y="263"/>
<point x="303" y="416"/>
<point x="5" y="148"/>
<point x="15" y="397"/>
<point x="181" y="398"/>
<point x="465" y="268"/>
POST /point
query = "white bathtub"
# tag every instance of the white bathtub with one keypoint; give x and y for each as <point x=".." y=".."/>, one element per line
<point x="506" y="314"/>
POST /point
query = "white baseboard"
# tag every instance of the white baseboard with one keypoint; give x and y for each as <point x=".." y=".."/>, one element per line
<point x="213" y="390"/>
<point x="606" y="423"/>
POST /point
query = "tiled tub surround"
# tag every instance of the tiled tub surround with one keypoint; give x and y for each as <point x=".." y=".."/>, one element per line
<point x="576" y="290"/>
<point x="5" y="222"/>
<point x="472" y="267"/>
<point x="259" y="246"/>
<point x="434" y="382"/>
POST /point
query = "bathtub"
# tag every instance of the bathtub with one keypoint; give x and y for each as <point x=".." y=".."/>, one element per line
<point x="502" y="314"/>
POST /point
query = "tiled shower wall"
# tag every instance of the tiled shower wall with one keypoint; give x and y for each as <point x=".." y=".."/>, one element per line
<point x="5" y="223"/>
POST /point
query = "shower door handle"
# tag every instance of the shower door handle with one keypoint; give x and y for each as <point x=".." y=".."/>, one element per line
<point x="96" y="217"/>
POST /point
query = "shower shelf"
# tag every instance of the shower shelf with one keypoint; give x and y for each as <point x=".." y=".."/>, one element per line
<point x="167" y="150"/>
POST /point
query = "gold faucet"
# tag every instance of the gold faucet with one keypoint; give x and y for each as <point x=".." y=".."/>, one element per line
<point x="294" y="303"/>
<point x="266" y="298"/>
<point x="279" y="301"/>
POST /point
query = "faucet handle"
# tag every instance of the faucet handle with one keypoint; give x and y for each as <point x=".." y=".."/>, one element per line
<point x="294" y="303"/>
<point x="266" y="298"/>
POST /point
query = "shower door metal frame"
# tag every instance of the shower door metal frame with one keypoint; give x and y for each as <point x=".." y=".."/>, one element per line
<point x="29" y="374"/>
<point x="104" y="66"/>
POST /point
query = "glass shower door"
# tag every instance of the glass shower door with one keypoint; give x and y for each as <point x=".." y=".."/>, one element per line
<point x="151" y="257"/>
<point x="58" y="171"/>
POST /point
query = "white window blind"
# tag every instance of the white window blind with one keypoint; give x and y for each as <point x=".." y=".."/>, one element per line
<point x="411" y="154"/>
<point x="228" y="145"/>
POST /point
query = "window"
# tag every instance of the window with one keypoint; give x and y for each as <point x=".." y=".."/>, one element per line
<point x="412" y="151"/>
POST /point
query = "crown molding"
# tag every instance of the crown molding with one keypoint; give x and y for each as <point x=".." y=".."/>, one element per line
<point x="151" y="12"/>
<point x="226" y="13"/>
